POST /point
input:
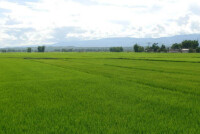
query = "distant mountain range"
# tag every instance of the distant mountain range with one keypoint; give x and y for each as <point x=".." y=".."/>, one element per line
<point x="126" y="41"/>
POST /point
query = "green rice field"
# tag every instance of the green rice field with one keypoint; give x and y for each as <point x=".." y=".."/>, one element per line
<point x="99" y="93"/>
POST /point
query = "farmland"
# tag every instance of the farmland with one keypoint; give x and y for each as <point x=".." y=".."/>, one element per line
<point x="97" y="93"/>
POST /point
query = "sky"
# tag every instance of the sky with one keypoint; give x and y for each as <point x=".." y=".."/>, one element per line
<point x="35" y="22"/>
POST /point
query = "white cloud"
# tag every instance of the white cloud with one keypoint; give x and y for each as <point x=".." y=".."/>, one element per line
<point x="90" y="19"/>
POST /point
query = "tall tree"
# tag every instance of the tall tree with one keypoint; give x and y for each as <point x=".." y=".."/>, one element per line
<point x="193" y="44"/>
<point x="163" y="48"/>
<point x="176" y="46"/>
<point x="41" y="48"/>
<point x="155" y="47"/>
<point x="136" y="48"/>
<point x="29" y="49"/>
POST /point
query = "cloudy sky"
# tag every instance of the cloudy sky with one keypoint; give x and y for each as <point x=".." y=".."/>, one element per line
<point x="31" y="22"/>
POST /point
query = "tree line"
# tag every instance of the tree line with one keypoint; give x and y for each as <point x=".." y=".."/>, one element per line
<point x="29" y="50"/>
<point x="154" y="48"/>
<point x="191" y="45"/>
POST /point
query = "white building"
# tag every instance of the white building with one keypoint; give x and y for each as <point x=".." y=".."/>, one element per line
<point x="185" y="50"/>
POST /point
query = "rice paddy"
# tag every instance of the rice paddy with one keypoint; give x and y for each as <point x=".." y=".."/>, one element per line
<point x="99" y="93"/>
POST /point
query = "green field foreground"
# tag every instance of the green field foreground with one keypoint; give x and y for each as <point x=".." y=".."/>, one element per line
<point x="99" y="93"/>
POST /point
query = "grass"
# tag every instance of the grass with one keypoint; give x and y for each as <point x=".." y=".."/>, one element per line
<point x="99" y="93"/>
